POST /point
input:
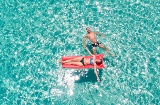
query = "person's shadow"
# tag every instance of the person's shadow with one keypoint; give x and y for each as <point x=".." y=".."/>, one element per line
<point x="87" y="76"/>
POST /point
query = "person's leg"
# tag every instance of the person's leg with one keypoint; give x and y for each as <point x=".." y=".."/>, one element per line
<point x="94" y="50"/>
<point x="74" y="63"/>
<point x="77" y="59"/>
<point x="104" y="47"/>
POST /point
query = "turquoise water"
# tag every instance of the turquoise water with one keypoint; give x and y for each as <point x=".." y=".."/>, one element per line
<point x="35" y="34"/>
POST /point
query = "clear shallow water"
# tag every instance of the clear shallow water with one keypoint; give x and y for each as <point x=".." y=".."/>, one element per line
<point x="34" y="35"/>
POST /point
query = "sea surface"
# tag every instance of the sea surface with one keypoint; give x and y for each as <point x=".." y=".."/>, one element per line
<point x="35" y="34"/>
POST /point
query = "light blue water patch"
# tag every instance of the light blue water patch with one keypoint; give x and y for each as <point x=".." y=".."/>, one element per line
<point x="34" y="35"/>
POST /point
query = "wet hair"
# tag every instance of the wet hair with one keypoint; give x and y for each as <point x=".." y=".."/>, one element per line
<point x="87" y="28"/>
<point x="98" y="63"/>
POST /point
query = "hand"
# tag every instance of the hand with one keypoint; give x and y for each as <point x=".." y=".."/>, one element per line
<point x="103" y="35"/>
<point x="98" y="79"/>
<point x="113" y="55"/>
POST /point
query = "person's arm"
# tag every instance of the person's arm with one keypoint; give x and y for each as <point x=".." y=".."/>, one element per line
<point x="100" y="34"/>
<point x="84" y="41"/>
<point x="89" y="51"/>
<point x="95" y="71"/>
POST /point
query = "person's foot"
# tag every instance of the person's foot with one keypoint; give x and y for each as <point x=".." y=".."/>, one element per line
<point x="60" y="61"/>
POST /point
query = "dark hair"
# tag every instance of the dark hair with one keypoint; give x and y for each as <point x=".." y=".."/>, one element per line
<point x="87" y="27"/>
<point x="98" y="63"/>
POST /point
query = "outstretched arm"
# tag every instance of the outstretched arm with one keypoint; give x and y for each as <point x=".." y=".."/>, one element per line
<point x="84" y="41"/>
<point x="100" y="34"/>
<point x="89" y="51"/>
<point x="95" y="71"/>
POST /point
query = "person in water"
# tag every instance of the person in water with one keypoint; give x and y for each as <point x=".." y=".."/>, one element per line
<point x="92" y="37"/>
<point x="82" y="61"/>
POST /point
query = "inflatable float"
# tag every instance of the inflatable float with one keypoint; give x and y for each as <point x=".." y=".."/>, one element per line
<point x="100" y="66"/>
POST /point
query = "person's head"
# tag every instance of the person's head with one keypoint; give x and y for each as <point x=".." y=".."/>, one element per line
<point x="88" y="30"/>
<point x="98" y="61"/>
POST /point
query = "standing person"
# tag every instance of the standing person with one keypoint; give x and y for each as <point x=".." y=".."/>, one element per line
<point x="92" y="37"/>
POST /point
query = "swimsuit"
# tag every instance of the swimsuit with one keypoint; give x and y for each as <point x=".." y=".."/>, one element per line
<point x="82" y="61"/>
<point x="91" y="61"/>
<point x="96" y="44"/>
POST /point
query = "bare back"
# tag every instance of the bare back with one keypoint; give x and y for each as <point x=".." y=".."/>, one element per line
<point x="92" y="37"/>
